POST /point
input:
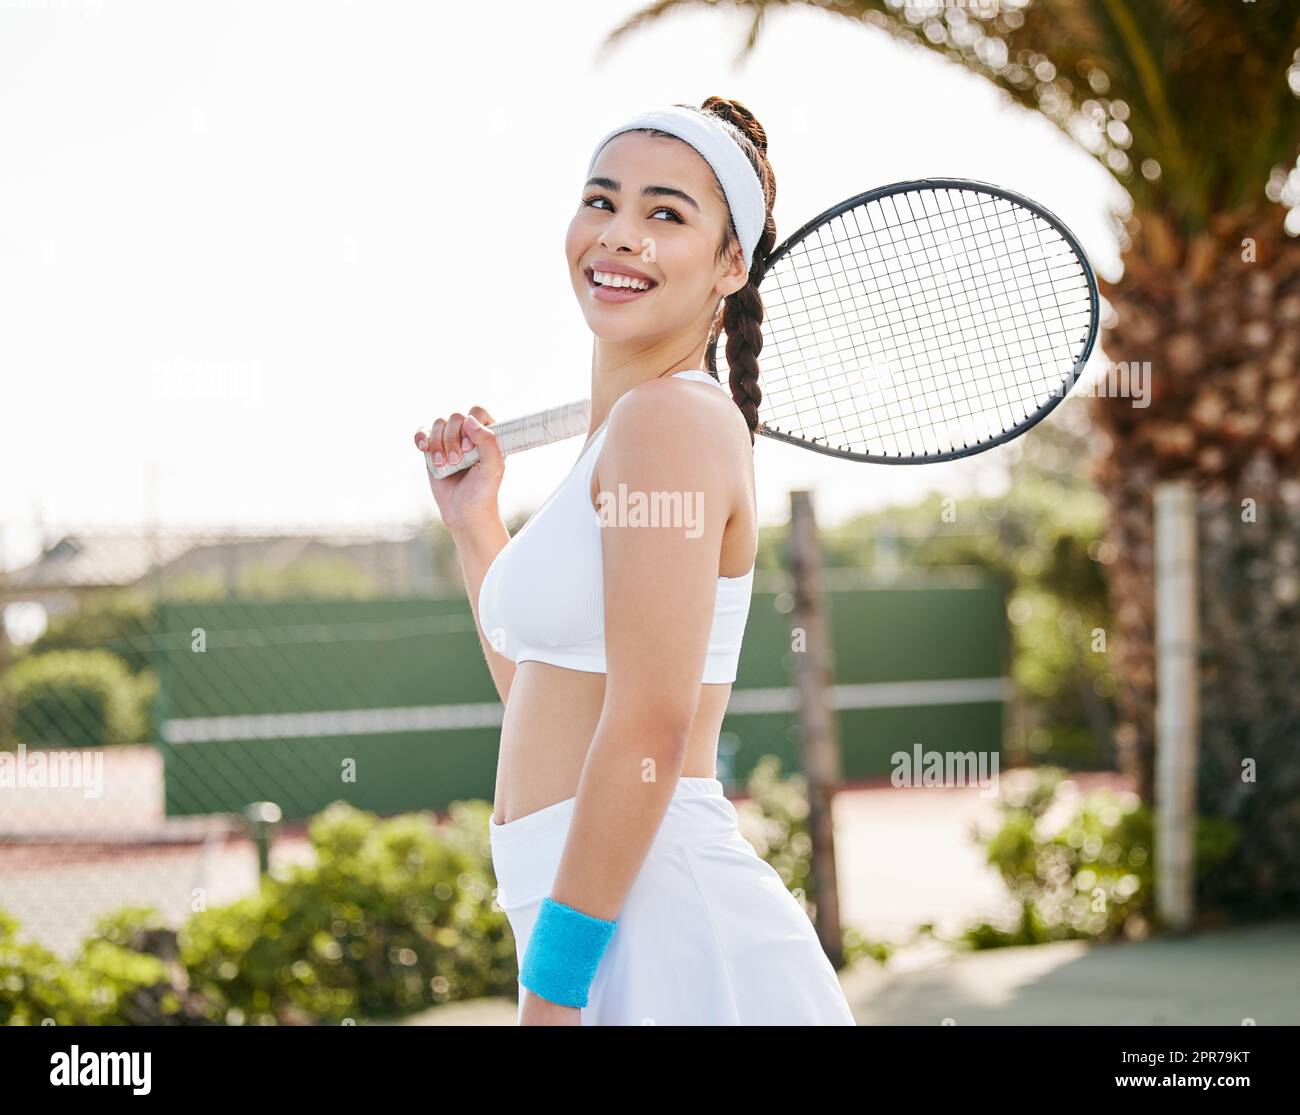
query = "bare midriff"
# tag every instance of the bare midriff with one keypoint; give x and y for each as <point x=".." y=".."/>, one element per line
<point x="549" y="723"/>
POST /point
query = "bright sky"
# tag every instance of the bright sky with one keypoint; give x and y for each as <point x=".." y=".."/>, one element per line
<point x="247" y="248"/>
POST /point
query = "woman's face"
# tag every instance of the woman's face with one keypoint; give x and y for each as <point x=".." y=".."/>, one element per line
<point x="650" y="210"/>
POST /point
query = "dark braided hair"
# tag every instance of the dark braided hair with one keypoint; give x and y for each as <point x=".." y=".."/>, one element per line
<point x="742" y="312"/>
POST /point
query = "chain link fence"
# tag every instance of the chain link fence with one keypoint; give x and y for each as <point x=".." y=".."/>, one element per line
<point x="164" y="695"/>
<point x="92" y="819"/>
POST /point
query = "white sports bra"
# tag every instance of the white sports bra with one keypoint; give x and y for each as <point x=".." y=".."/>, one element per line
<point x="543" y="597"/>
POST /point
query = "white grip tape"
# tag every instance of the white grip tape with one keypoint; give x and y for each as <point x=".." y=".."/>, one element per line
<point x="529" y="432"/>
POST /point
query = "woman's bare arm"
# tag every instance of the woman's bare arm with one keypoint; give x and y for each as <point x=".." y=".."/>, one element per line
<point x="468" y="503"/>
<point x="477" y="545"/>
<point x="660" y="592"/>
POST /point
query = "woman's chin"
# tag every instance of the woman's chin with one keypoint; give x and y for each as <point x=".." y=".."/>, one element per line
<point x="615" y="326"/>
<point x="613" y="333"/>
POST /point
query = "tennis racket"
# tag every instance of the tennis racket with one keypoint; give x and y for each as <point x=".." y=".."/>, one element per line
<point x="918" y="322"/>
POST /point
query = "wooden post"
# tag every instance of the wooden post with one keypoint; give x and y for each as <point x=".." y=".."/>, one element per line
<point x="1177" y="706"/>
<point x="819" y="738"/>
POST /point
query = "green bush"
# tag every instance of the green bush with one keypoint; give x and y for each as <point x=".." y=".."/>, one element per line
<point x="397" y="915"/>
<point x="78" y="698"/>
<point x="103" y="986"/>
<point x="1089" y="879"/>
<point x="118" y="620"/>
<point x="775" y="822"/>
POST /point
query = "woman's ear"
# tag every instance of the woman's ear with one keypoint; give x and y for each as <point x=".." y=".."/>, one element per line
<point x="735" y="276"/>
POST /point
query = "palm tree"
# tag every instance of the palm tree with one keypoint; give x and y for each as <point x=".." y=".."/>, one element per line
<point x="1192" y="106"/>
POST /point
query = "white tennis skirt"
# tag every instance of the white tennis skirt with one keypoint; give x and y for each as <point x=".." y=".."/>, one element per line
<point x="708" y="936"/>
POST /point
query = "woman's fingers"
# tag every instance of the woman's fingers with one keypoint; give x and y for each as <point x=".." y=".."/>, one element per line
<point x="431" y="440"/>
<point x="451" y="438"/>
<point x="485" y="442"/>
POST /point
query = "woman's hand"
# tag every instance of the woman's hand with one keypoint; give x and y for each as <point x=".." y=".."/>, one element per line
<point x="542" y="1012"/>
<point x="470" y="494"/>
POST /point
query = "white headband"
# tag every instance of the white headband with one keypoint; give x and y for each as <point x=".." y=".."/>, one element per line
<point x="735" y="173"/>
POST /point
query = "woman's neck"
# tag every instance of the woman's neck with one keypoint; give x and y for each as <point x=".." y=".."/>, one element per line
<point x="615" y="371"/>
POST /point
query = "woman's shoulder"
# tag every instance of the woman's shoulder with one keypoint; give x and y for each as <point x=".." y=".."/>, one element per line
<point x="678" y="414"/>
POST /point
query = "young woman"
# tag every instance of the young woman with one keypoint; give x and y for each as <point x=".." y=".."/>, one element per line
<point x="613" y="639"/>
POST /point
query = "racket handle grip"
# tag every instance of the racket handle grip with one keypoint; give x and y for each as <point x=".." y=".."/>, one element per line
<point x="517" y="434"/>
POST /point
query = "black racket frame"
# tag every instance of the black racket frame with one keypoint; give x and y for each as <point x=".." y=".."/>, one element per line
<point x="933" y="184"/>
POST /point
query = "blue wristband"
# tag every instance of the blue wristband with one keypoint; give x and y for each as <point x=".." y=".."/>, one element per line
<point x="565" y="947"/>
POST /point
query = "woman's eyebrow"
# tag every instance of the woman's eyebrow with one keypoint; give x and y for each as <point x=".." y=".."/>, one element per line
<point x="649" y="191"/>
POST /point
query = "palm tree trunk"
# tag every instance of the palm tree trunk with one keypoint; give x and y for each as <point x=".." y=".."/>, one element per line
<point x="1218" y="317"/>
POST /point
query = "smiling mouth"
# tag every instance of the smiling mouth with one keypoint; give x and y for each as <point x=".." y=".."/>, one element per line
<point x="609" y="282"/>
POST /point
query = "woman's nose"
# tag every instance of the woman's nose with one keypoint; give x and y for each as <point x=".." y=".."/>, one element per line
<point x="621" y="233"/>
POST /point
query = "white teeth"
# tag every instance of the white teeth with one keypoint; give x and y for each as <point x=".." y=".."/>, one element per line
<point x="606" y="278"/>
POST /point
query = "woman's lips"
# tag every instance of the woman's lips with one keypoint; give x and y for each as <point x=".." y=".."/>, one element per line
<point x="615" y="293"/>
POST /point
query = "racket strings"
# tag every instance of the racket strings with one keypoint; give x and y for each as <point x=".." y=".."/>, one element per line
<point x="1007" y="388"/>
<point x="902" y="416"/>
<point x="931" y="395"/>
<point x="920" y="323"/>
<point x="997" y="280"/>
<point x="905" y="413"/>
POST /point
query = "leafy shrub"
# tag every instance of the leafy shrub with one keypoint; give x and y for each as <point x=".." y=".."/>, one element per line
<point x="775" y="822"/>
<point x="106" y="984"/>
<point x="396" y="915"/>
<point x="118" y="620"/>
<point x="78" y="698"/>
<point x="1089" y="879"/>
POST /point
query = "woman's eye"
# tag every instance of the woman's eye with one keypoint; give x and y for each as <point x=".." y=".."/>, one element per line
<point x="591" y="202"/>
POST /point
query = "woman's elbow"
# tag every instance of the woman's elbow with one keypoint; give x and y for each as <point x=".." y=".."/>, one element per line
<point x="660" y="728"/>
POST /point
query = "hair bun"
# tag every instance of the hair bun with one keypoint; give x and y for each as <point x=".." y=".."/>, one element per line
<point x="736" y="114"/>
